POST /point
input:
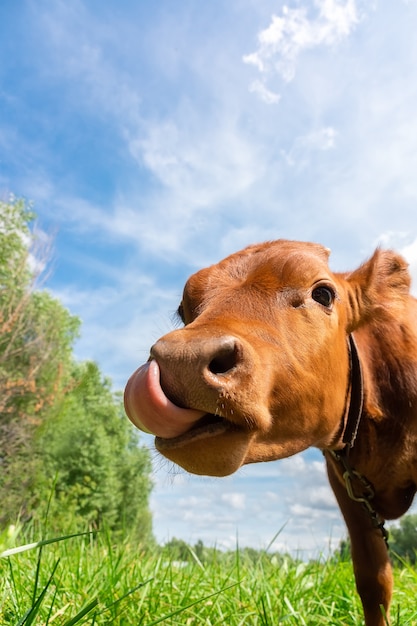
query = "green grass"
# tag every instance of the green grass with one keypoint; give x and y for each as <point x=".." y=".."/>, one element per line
<point x="85" y="579"/>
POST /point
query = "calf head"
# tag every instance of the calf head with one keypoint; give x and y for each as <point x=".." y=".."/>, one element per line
<point x="260" y="369"/>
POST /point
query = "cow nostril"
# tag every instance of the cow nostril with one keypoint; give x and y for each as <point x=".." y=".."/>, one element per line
<point x="224" y="361"/>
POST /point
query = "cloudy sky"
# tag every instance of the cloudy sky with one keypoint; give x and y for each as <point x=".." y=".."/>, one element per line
<point x="157" y="137"/>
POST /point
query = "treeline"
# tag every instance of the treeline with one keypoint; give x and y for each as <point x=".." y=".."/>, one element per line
<point x="67" y="451"/>
<point x="180" y="551"/>
<point x="402" y="541"/>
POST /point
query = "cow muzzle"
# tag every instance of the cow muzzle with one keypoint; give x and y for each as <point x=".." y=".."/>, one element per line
<point x="189" y="392"/>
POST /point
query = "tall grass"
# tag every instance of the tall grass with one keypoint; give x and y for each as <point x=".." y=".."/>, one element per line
<point x="87" y="579"/>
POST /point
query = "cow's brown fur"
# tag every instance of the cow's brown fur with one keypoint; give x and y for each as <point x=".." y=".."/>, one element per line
<point x="259" y="352"/>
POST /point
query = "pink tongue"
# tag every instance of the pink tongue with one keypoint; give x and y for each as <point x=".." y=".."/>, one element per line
<point x="150" y="410"/>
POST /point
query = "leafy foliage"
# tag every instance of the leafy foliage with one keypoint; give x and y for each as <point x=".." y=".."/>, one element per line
<point x="36" y="335"/>
<point x="403" y="538"/>
<point x="63" y="432"/>
<point x="91" y="448"/>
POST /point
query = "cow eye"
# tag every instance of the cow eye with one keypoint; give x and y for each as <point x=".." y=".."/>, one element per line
<point x="324" y="296"/>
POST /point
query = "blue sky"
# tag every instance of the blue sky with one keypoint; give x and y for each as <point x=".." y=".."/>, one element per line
<point x="156" y="137"/>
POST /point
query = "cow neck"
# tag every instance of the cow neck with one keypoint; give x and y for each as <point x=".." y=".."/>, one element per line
<point x="356" y="397"/>
<point x="352" y="478"/>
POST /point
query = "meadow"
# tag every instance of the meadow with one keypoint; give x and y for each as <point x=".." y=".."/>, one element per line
<point x="91" y="579"/>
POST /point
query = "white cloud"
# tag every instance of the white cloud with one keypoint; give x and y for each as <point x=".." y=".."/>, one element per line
<point x="236" y="500"/>
<point x="229" y="161"/>
<point x="265" y="94"/>
<point x="298" y="465"/>
<point x="304" y="147"/>
<point x="289" y="497"/>
<point x="288" y="35"/>
<point x="121" y="319"/>
<point x="410" y="253"/>
<point x="194" y="170"/>
<point x="322" y="497"/>
<point x="301" y="510"/>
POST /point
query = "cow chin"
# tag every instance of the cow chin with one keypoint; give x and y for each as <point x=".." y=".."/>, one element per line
<point x="219" y="454"/>
<point x="221" y="449"/>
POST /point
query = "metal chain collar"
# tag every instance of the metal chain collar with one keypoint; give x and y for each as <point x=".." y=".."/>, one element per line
<point x="350" y="475"/>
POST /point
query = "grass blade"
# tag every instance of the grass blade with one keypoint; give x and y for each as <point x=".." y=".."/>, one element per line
<point x="277" y="534"/>
<point x="84" y="611"/>
<point x="31" y="614"/>
<point x="129" y="593"/>
<point x="188" y="606"/>
<point x="39" y="544"/>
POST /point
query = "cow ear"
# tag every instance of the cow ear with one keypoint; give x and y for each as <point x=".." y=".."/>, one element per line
<point x="378" y="288"/>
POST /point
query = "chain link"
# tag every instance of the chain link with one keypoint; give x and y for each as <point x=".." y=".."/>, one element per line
<point x="349" y="476"/>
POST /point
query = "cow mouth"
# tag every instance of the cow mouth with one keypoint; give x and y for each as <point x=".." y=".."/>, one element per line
<point x="206" y="427"/>
<point x="151" y="409"/>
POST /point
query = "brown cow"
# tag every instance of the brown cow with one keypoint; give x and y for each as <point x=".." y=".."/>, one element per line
<point x="278" y="354"/>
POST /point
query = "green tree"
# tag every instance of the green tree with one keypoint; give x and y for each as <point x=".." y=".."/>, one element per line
<point x="403" y="538"/>
<point x="178" y="550"/>
<point x="91" y="454"/>
<point x="199" y="550"/>
<point x="63" y="431"/>
<point x="36" y="331"/>
<point x="36" y="336"/>
<point x="342" y="552"/>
